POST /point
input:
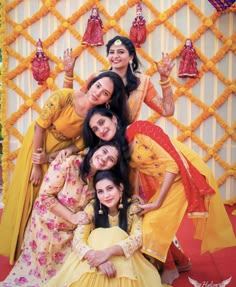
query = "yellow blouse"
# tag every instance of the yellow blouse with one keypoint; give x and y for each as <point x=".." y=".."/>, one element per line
<point x="150" y="158"/>
<point x="59" y="116"/>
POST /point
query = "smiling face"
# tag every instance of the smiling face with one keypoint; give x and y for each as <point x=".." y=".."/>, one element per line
<point x="118" y="57"/>
<point x="101" y="91"/>
<point x="109" y="194"/>
<point x="104" y="158"/>
<point x="103" y="127"/>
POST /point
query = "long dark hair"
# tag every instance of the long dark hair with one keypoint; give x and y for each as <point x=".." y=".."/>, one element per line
<point x="101" y="220"/>
<point x="132" y="80"/>
<point x="119" y="99"/>
<point x="122" y="166"/>
<point x="91" y="140"/>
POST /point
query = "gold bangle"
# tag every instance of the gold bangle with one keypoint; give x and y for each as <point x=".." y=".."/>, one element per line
<point x="69" y="78"/>
<point x="165" y="86"/>
<point x="164" y="82"/>
<point x="68" y="81"/>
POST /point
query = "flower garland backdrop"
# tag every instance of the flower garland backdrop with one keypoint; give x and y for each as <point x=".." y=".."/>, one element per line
<point x="205" y="106"/>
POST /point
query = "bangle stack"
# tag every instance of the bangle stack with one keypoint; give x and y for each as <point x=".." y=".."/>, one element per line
<point x="68" y="79"/>
<point x="165" y="84"/>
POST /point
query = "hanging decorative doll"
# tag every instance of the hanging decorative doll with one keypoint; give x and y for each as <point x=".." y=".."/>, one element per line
<point x="40" y="65"/>
<point x="93" y="35"/>
<point x="138" y="30"/>
<point x="188" y="62"/>
<point x="221" y="5"/>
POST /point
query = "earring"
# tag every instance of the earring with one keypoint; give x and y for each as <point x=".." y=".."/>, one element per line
<point x="100" y="211"/>
<point x="107" y="105"/>
<point x="120" y="206"/>
<point x="131" y="66"/>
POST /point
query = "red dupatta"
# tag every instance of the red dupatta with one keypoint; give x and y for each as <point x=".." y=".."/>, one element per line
<point x="195" y="185"/>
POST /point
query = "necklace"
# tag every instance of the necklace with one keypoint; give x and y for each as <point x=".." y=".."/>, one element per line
<point x="113" y="219"/>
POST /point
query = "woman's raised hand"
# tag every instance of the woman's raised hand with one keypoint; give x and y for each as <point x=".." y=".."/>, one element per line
<point x="69" y="62"/>
<point x="165" y="66"/>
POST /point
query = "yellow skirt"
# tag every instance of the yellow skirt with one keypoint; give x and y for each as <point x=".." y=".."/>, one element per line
<point x="215" y="231"/>
<point x="160" y="226"/>
<point x="135" y="271"/>
<point x="21" y="196"/>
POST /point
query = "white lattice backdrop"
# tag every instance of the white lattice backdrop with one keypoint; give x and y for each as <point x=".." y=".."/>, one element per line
<point x="205" y="107"/>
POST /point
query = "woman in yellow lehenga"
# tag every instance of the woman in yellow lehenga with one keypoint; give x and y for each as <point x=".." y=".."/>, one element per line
<point x="58" y="126"/>
<point x="173" y="180"/>
<point x="107" y="250"/>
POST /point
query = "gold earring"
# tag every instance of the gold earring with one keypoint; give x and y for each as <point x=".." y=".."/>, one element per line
<point x="100" y="211"/>
<point x="131" y="66"/>
<point x="120" y="206"/>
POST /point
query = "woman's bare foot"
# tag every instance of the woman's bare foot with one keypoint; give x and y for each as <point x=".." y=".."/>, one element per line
<point x="184" y="268"/>
<point x="169" y="275"/>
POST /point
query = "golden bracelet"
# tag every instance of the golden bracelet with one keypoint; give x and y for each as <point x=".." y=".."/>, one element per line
<point x="68" y="81"/>
<point x="164" y="82"/>
<point x="69" y="78"/>
<point x="165" y="86"/>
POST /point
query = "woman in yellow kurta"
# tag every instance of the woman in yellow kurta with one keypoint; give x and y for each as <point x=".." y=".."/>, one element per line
<point x="58" y="126"/>
<point x="174" y="180"/>
<point x="107" y="250"/>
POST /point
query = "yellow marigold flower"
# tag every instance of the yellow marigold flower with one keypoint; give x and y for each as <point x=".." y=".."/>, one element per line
<point x="18" y="28"/>
<point x="233" y="88"/>
<point x="162" y="17"/>
<point x="209" y="64"/>
<point x="65" y="24"/>
<point x="210" y="151"/>
<point x="230" y="131"/>
<point x="112" y="22"/>
<point x="61" y="67"/>
<point x="208" y="23"/>
<point x="187" y="132"/>
<point x="29" y="103"/>
<point x="229" y="42"/>
<point x="230" y="172"/>
<point x="49" y="82"/>
<point x="47" y="3"/>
